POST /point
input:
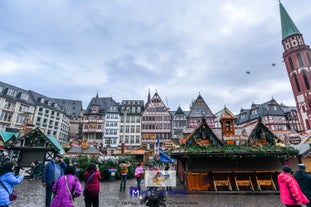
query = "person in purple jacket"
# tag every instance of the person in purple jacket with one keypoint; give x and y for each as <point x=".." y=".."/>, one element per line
<point x="52" y="171"/>
<point x="8" y="179"/>
<point x="66" y="188"/>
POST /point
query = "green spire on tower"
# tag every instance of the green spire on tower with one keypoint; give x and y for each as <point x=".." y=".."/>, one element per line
<point x="288" y="26"/>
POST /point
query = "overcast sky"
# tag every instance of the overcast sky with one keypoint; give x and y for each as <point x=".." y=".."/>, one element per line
<point x="72" y="49"/>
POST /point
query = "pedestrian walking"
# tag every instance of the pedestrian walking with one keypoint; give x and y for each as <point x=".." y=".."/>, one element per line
<point x="124" y="172"/>
<point x="139" y="171"/>
<point x="52" y="171"/>
<point x="66" y="188"/>
<point x="167" y="168"/>
<point x="290" y="192"/>
<point x="304" y="180"/>
<point x="7" y="182"/>
<point x="35" y="170"/>
<point x="92" y="186"/>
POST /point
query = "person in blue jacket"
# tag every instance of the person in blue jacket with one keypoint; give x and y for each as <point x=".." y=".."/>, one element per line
<point x="8" y="179"/>
<point x="52" y="171"/>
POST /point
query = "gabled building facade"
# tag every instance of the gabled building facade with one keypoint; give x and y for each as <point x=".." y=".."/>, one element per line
<point x="179" y="123"/>
<point x="297" y="59"/>
<point x="51" y="117"/>
<point x="200" y="109"/>
<point x="274" y="116"/>
<point x="101" y="122"/>
<point x="130" y="123"/>
<point x="156" y="122"/>
<point x="17" y="105"/>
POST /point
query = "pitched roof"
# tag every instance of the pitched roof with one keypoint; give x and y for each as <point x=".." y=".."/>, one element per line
<point x="6" y="136"/>
<point x="288" y="26"/>
<point x="201" y="135"/>
<point x="199" y="108"/>
<point x="34" y="133"/>
<point x="104" y="104"/>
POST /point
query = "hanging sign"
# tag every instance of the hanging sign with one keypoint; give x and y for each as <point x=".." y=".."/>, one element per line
<point x="294" y="140"/>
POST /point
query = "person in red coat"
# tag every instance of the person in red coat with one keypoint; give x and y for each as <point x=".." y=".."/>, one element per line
<point x="290" y="192"/>
<point x="92" y="188"/>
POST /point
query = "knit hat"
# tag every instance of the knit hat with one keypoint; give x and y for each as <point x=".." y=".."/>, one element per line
<point x="301" y="166"/>
<point x="287" y="169"/>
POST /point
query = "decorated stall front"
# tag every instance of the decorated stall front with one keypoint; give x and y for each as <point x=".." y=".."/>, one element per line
<point x="30" y="145"/>
<point x="231" y="159"/>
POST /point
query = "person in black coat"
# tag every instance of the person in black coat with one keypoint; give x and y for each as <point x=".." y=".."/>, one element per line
<point x="304" y="180"/>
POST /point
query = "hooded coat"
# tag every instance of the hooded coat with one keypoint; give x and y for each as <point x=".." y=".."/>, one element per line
<point x="62" y="196"/>
<point x="93" y="186"/>
<point x="9" y="180"/>
<point x="290" y="192"/>
<point x="304" y="181"/>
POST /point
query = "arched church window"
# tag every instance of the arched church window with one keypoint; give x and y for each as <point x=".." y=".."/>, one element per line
<point x="291" y="63"/>
<point x="300" y="60"/>
<point x="297" y="83"/>
<point x="309" y="58"/>
<point x="307" y="124"/>
<point x="305" y="79"/>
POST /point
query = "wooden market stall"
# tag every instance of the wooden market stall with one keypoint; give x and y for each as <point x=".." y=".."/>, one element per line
<point x="30" y="144"/>
<point x="229" y="159"/>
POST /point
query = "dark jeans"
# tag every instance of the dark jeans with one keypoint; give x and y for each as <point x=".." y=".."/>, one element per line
<point x="138" y="182"/>
<point x="91" y="201"/>
<point x="123" y="182"/>
<point x="48" y="195"/>
<point x="293" y="205"/>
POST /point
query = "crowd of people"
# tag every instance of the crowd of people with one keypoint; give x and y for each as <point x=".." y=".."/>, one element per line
<point x="295" y="189"/>
<point x="62" y="185"/>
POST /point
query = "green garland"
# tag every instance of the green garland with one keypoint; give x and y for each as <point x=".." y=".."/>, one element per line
<point x="235" y="151"/>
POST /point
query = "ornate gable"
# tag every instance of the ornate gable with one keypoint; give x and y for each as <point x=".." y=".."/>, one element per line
<point x="35" y="139"/>
<point x="261" y="135"/>
<point x="155" y="105"/>
<point x="202" y="135"/>
<point x="199" y="108"/>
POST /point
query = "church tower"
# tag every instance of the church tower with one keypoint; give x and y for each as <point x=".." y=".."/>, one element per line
<point x="297" y="59"/>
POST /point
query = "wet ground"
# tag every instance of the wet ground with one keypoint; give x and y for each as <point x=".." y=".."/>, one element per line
<point x="31" y="194"/>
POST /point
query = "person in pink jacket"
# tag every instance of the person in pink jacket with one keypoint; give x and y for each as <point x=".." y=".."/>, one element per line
<point x="290" y="192"/>
<point x="66" y="188"/>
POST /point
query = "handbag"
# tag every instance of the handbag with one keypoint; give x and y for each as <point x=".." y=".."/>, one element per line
<point x="13" y="195"/>
<point x="87" y="181"/>
<point x="71" y="198"/>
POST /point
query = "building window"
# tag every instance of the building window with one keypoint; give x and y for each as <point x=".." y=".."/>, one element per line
<point x="137" y="129"/>
<point x="9" y="105"/>
<point x="297" y="83"/>
<point x="132" y="129"/>
<point x="291" y="63"/>
<point x="11" y="92"/>
<point x="308" y="57"/>
<point x="6" y="116"/>
<point x="305" y="78"/>
<point x="300" y="60"/>
<point x="137" y="138"/>
<point x="23" y="108"/>
<point x="307" y="124"/>
<point x="24" y="96"/>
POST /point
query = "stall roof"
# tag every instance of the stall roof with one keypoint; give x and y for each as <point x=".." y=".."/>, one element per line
<point x="6" y="136"/>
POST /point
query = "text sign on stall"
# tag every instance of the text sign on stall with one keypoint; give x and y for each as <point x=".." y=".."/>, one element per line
<point x="294" y="140"/>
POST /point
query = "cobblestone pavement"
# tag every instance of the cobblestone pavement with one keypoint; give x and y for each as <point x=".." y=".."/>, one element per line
<point x="31" y="194"/>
